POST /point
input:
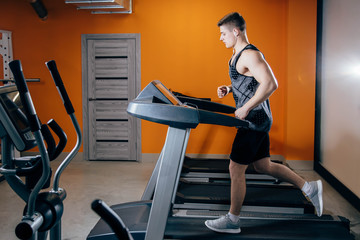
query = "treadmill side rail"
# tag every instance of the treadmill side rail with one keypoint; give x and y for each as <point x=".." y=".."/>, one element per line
<point x="171" y="161"/>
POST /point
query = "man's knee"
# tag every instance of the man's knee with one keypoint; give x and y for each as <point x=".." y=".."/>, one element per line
<point x="262" y="166"/>
<point x="237" y="170"/>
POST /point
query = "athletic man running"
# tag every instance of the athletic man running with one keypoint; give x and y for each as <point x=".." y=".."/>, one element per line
<point x="252" y="83"/>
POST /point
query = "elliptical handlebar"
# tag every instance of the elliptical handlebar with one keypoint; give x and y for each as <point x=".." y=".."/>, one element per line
<point x="60" y="85"/>
<point x="25" y="97"/>
<point x="70" y="110"/>
<point x="31" y="221"/>
<point x="62" y="138"/>
<point x="49" y="139"/>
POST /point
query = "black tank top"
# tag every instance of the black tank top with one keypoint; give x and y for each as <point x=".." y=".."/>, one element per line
<point x="244" y="88"/>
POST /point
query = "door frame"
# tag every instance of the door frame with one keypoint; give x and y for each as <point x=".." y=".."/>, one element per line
<point x="84" y="67"/>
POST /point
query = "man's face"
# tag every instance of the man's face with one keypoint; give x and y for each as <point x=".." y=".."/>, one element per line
<point x="227" y="36"/>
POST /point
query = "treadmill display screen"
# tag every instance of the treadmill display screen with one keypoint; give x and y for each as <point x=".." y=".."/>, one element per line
<point x="11" y="102"/>
<point x="169" y="95"/>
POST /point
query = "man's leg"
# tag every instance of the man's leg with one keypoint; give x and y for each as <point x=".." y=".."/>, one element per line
<point x="280" y="171"/>
<point x="313" y="189"/>
<point x="238" y="186"/>
<point x="230" y="223"/>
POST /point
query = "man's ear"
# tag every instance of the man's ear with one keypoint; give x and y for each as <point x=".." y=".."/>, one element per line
<point x="236" y="32"/>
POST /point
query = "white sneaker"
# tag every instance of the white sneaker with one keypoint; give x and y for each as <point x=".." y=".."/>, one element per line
<point x="316" y="196"/>
<point x="224" y="225"/>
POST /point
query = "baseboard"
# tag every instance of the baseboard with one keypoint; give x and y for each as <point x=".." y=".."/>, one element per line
<point x="337" y="185"/>
<point x="301" y="164"/>
<point x="78" y="156"/>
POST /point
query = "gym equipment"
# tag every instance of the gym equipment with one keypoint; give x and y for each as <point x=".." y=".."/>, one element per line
<point x="153" y="220"/>
<point x="113" y="220"/>
<point x="205" y="184"/>
<point x="254" y="225"/>
<point x="20" y="128"/>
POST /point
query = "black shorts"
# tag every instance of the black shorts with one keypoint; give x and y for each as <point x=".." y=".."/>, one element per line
<point x="249" y="146"/>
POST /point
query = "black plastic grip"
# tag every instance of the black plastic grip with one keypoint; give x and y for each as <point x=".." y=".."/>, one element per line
<point x="60" y="85"/>
<point x="17" y="71"/>
<point x="49" y="139"/>
<point x="25" y="97"/>
<point x="112" y="219"/>
<point x="61" y="135"/>
<point x="24" y="230"/>
<point x="29" y="226"/>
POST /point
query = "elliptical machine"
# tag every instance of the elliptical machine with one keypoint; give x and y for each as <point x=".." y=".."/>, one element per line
<point x="20" y="128"/>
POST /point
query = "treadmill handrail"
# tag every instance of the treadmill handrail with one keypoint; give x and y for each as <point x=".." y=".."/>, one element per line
<point x="207" y="105"/>
<point x="208" y="117"/>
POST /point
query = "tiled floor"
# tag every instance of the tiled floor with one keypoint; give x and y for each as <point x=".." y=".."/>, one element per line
<point x="116" y="182"/>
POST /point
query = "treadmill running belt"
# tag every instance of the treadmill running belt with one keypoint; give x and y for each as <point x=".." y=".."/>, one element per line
<point x="208" y="165"/>
<point x="255" y="195"/>
<point x="212" y="165"/>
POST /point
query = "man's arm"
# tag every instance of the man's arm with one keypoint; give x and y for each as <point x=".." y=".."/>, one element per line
<point x="260" y="69"/>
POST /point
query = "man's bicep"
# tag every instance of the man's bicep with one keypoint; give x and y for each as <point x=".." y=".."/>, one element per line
<point x="259" y="68"/>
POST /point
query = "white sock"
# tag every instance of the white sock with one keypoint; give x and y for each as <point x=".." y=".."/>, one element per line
<point x="233" y="217"/>
<point x="306" y="189"/>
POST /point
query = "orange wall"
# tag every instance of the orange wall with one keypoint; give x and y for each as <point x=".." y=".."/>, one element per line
<point x="179" y="46"/>
<point x="300" y="93"/>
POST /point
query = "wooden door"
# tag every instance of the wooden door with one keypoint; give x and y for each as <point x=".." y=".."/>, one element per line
<point x="111" y="79"/>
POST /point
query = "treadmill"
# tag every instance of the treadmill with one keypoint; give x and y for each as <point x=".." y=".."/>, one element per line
<point x="154" y="220"/>
<point x="207" y="186"/>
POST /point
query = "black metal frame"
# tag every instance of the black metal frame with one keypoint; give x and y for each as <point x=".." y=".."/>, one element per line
<point x="318" y="167"/>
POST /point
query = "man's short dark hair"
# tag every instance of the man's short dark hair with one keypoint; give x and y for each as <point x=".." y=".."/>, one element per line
<point x="234" y="19"/>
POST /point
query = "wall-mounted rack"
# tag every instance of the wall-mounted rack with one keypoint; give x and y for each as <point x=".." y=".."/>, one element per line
<point x="27" y="80"/>
<point x="6" y="52"/>
<point x="7" y="56"/>
<point x="103" y="6"/>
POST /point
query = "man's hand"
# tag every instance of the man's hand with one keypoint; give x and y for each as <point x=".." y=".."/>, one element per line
<point x="223" y="90"/>
<point x="241" y="113"/>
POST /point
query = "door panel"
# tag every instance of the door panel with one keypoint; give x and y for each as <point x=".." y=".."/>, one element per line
<point x="111" y="82"/>
<point x="114" y="110"/>
<point x="111" y="88"/>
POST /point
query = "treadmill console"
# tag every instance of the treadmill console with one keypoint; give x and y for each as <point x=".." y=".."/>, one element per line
<point x="167" y="93"/>
<point x="156" y="92"/>
<point x="13" y="119"/>
<point x="158" y="104"/>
